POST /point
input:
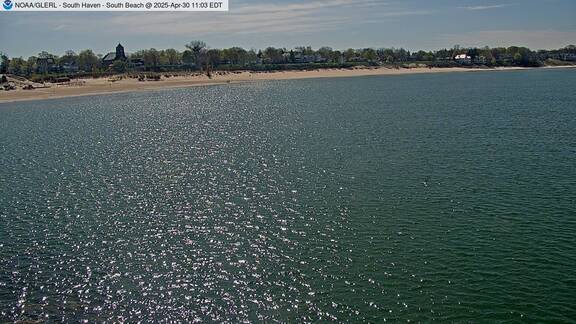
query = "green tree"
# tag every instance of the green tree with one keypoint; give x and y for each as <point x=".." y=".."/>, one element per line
<point x="17" y="66"/>
<point x="69" y="58"/>
<point x="274" y="55"/>
<point x="45" y="54"/>
<point x="327" y="53"/>
<point x="305" y="50"/>
<point x="423" y="56"/>
<point x="234" y="55"/>
<point x="401" y="55"/>
<point x="212" y="57"/>
<point x="349" y="54"/>
<point x="151" y="59"/>
<point x="473" y="52"/>
<point x="369" y="54"/>
<point x="386" y="55"/>
<point x="188" y="57"/>
<point x="31" y="65"/>
<point x="518" y="58"/>
<point x="119" y="66"/>
<point x="88" y="61"/>
<point x="251" y="57"/>
<point x="172" y="56"/>
<point x="4" y="61"/>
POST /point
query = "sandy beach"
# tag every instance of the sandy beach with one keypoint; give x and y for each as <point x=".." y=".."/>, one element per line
<point x="82" y="87"/>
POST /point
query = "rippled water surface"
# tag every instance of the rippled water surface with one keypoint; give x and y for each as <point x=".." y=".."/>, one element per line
<point x="447" y="197"/>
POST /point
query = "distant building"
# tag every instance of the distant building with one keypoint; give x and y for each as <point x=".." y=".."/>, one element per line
<point x="136" y="64"/>
<point x="70" y="68"/>
<point x="301" y="58"/>
<point x="568" y="57"/>
<point x="480" y="60"/>
<point x="357" y="59"/>
<point x="298" y="56"/>
<point x="320" y="59"/>
<point x="463" y="59"/>
<point x="111" y="57"/>
<point x="45" y="65"/>
<point x="504" y="59"/>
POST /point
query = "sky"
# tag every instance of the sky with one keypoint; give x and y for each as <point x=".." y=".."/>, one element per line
<point x="340" y="24"/>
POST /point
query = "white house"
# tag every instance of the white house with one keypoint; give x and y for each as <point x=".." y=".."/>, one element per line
<point x="463" y="59"/>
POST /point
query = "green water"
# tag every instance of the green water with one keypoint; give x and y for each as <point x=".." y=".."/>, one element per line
<point x="445" y="197"/>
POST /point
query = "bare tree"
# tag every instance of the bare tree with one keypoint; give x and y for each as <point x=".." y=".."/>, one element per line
<point x="197" y="47"/>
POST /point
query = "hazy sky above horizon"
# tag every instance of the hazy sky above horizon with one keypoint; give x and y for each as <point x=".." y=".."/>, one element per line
<point x="412" y="24"/>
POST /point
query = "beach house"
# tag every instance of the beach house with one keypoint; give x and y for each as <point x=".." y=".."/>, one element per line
<point x="480" y="60"/>
<point x="463" y="59"/>
<point x="46" y="65"/>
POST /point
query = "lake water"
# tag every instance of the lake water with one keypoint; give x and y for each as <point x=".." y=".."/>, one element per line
<point x="447" y="197"/>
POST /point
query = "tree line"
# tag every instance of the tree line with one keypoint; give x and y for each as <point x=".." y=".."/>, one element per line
<point x="198" y="56"/>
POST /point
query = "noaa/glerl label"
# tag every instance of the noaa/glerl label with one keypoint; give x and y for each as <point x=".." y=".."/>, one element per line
<point x="104" y="5"/>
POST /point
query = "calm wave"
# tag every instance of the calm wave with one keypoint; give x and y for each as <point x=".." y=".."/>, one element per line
<point x="447" y="197"/>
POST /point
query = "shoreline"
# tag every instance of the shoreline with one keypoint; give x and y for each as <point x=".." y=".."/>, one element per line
<point x="101" y="86"/>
